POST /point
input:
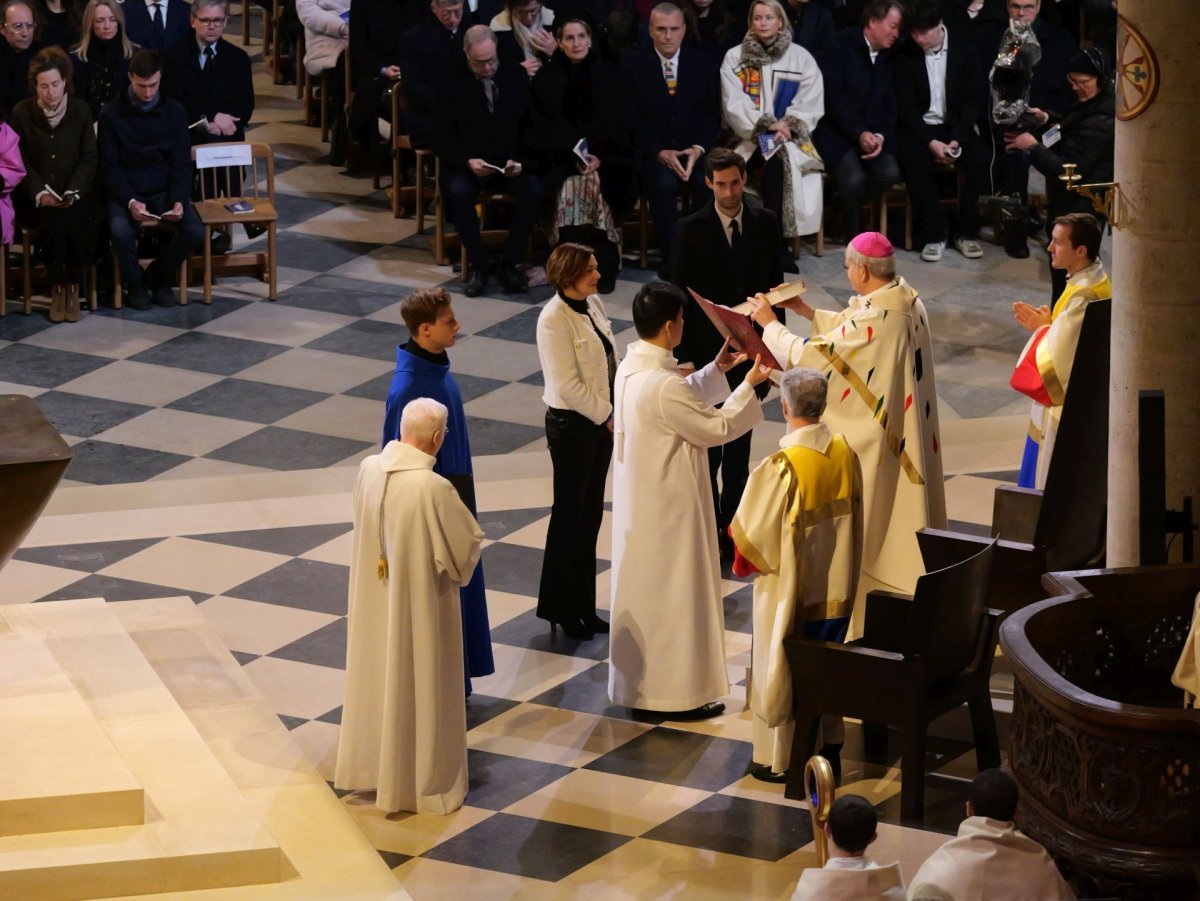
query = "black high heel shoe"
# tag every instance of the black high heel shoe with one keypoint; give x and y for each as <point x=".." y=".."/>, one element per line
<point x="574" y="630"/>
<point x="596" y="624"/>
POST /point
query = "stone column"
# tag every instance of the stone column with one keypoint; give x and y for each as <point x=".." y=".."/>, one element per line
<point x="1156" y="269"/>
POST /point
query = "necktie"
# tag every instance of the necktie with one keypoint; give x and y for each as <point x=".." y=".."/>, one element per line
<point x="159" y="28"/>
<point x="206" y="60"/>
<point x="736" y="250"/>
<point x="489" y="91"/>
<point x="669" y="75"/>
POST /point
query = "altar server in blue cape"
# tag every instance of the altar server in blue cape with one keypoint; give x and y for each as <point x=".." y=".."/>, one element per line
<point x="423" y="370"/>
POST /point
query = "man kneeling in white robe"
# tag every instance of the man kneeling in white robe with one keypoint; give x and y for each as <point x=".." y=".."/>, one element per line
<point x="989" y="860"/>
<point x="799" y="529"/>
<point x="848" y="875"/>
<point x="404" y="727"/>
<point x="667" y="647"/>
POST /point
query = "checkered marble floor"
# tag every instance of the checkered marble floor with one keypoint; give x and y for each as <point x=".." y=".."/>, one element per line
<point x="215" y="447"/>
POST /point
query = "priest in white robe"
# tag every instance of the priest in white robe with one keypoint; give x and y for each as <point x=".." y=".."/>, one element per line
<point x="404" y="729"/>
<point x="849" y="875"/>
<point x="667" y="644"/>
<point x="878" y="357"/>
<point x="989" y="860"/>
<point x="798" y="529"/>
<point x="1043" y="370"/>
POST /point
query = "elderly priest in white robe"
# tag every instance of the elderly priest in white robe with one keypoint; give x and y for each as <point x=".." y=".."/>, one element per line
<point x="404" y="729"/>
<point x="989" y="860"/>
<point x="667" y="645"/>
<point x="878" y="357"/>
<point x="799" y="530"/>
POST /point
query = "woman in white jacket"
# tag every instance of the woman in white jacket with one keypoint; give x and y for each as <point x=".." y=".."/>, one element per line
<point x="326" y="32"/>
<point x="772" y="88"/>
<point x="579" y="359"/>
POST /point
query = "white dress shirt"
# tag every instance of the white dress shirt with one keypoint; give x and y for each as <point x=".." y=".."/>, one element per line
<point x="935" y="67"/>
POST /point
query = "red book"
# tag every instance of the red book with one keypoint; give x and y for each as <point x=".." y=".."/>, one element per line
<point x="738" y="328"/>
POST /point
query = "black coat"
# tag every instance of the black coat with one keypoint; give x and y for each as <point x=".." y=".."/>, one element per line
<point x="1049" y="90"/>
<point x="590" y="101"/>
<point x="1088" y="132"/>
<point x="663" y="122"/>
<point x="143" y="153"/>
<point x="715" y="47"/>
<point x="228" y="88"/>
<point x="428" y="55"/>
<point x="117" y="76"/>
<point x="176" y="27"/>
<point x="14" y="73"/>
<point x="467" y="130"/>
<point x="63" y="158"/>
<point x="963" y="100"/>
<point x="859" y="96"/>
<point x="812" y="26"/>
<point x="702" y="261"/>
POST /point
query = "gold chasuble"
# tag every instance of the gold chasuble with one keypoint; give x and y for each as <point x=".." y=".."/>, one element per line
<point x="878" y="357"/>
<point x="1044" y="368"/>
<point x="800" y="526"/>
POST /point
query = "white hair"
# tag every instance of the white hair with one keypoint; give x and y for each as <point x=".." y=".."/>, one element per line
<point x="421" y="419"/>
<point x="804" y="390"/>
<point x="879" y="267"/>
<point x="477" y="34"/>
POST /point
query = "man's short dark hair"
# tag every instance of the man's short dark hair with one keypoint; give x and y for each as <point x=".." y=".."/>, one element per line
<point x="655" y="305"/>
<point x="145" y="64"/>
<point x="924" y="15"/>
<point x="993" y="794"/>
<point x="423" y="307"/>
<point x="1083" y="231"/>
<point x="721" y="158"/>
<point x="879" y="9"/>
<point x="852" y="823"/>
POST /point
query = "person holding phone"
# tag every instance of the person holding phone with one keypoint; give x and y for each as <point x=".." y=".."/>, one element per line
<point x="146" y="165"/>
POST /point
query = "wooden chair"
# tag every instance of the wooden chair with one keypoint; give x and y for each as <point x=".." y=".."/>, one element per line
<point x="877" y="212"/>
<point x="490" y="235"/>
<point x="919" y="658"/>
<point x="1063" y="526"/>
<point x="28" y="234"/>
<point x="3" y="279"/>
<point x="118" y="302"/>
<point x="247" y="8"/>
<point x="258" y="189"/>
<point x="401" y="144"/>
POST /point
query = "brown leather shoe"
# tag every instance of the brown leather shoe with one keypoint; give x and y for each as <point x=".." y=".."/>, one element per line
<point x="72" y="302"/>
<point x="58" y="302"/>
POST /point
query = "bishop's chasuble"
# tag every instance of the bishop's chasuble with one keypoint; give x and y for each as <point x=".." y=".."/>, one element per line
<point x="667" y="647"/>
<point x="404" y="727"/>
<point x="419" y="376"/>
<point x="799" y="526"/>
<point x="878" y="357"/>
<point x="1046" y="365"/>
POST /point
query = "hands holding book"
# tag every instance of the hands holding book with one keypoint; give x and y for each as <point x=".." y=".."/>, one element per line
<point x="138" y="210"/>
<point x="764" y="315"/>
<point x="482" y="168"/>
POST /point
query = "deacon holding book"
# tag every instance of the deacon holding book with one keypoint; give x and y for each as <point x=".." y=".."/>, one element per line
<point x="726" y="251"/>
<point x="878" y="356"/>
<point x="667" y="642"/>
<point x="423" y="370"/>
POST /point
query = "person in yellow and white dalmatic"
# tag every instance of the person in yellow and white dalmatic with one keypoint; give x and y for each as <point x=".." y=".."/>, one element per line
<point x="1044" y="368"/>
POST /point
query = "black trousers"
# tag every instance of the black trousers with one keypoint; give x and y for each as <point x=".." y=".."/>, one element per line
<point x="66" y="236"/>
<point x="920" y="174"/>
<point x="464" y="188"/>
<point x="733" y="461"/>
<point x="858" y="178"/>
<point x="580" y="452"/>
<point x="662" y="191"/>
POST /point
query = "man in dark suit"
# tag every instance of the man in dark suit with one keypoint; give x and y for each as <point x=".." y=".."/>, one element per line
<point x="429" y="54"/>
<point x="157" y="24"/>
<point x="479" y="129"/>
<point x="676" y="102"/>
<point x="726" y="251"/>
<point x="857" y="136"/>
<point x="937" y="78"/>
<point x="17" y="50"/>
<point x="210" y="77"/>
<point x="812" y="24"/>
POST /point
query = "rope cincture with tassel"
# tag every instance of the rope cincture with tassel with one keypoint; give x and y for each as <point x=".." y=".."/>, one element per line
<point x="381" y="567"/>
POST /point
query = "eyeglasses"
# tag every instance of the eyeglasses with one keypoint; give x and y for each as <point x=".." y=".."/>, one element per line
<point x="483" y="63"/>
<point x="19" y="26"/>
<point x="208" y="23"/>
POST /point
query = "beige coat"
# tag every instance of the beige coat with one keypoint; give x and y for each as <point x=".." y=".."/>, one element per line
<point x="837" y="882"/>
<point x="667" y="647"/>
<point x="404" y="730"/>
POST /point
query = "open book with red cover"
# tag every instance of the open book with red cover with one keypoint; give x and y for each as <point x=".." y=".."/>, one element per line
<point x="735" y="323"/>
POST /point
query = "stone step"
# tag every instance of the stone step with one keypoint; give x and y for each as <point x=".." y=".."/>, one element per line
<point x="61" y="771"/>
<point x="199" y="831"/>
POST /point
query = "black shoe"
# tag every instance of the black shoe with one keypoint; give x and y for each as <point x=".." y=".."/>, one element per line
<point x="1016" y="242"/>
<point x="703" y="712"/>
<point x="596" y="624"/>
<point x="139" y="297"/>
<point x="790" y="265"/>
<point x="764" y="773"/>
<point x="164" y="296"/>
<point x="575" y="630"/>
<point x="833" y="753"/>
<point x="512" y="280"/>
<point x="476" y="281"/>
<point x="254" y="231"/>
<point x="221" y="243"/>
